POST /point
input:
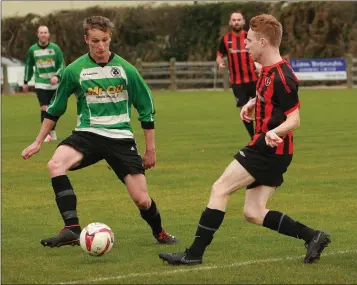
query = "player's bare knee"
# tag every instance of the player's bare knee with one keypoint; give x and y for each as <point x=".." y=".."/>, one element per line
<point x="142" y="202"/>
<point x="253" y="215"/>
<point x="250" y="217"/>
<point x="218" y="190"/>
<point x="56" y="167"/>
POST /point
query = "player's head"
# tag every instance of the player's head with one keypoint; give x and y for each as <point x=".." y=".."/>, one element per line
<point x="265" y="31"/>
<point x="98" y="34"/>
<point x="43" y="35"/>
<point x="236" y="21"/>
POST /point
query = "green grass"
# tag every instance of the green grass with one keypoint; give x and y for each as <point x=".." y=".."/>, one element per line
<point x="197" y="133"/>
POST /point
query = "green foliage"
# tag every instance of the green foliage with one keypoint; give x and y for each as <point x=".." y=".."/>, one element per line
<point x="191" y="32"/>
<point x="319" y="29"/>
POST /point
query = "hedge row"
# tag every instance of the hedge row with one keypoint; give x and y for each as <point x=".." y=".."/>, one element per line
<point x="311" y="29"/>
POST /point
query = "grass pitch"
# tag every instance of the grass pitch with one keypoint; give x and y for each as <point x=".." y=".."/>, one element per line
<point x="197" y="133"/>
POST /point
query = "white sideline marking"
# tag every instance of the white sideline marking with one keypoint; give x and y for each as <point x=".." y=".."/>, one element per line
<point x="200" y="268"/>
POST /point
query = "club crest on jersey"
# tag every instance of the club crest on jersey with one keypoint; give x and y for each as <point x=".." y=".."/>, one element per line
<point x="267" y="81"/>
<point x="115" y="72"/>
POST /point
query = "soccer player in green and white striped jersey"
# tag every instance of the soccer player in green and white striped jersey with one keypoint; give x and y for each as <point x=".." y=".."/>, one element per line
<point x="106" y="86"/>
<point x="45" y="61"/>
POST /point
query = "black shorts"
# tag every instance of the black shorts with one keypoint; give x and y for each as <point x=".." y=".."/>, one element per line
<point x="44" y="96"/>
<point x="266" y="168"/>
<point x="121" y="154"/>
<point x="243" y="92"/>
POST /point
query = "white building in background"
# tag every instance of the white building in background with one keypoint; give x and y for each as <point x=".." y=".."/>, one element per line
<point x="15" y="73"/>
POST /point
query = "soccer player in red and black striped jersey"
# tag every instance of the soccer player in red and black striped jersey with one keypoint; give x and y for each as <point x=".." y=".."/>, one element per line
<point x="260" y="165"/>
<point x="242" y="70"/>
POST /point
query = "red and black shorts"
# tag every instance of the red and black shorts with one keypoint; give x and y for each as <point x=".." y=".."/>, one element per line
<point x="243" y="92"/>
<point x="267" y="168"/>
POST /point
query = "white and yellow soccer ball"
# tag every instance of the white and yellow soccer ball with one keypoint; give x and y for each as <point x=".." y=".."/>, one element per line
<point x="96" y="239"/>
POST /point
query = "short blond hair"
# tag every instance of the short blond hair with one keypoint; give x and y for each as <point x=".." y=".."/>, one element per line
<point x="267" y="26"/>
<point x="97" y="22"/>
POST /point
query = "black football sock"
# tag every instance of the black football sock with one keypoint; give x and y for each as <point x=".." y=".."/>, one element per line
<point x="66" y="202"/>
<point x="152" y="217"/>
<point x="285" y="225"/>
<point x="209" y="223"/>
<point x="250" y="128"/>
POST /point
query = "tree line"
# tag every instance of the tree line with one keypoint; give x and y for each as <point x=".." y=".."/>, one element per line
<point x="190" y="32"/>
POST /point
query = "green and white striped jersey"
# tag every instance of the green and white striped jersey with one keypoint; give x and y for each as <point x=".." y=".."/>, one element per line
<point x="48" y="61"/>
<point x="104" y="96"/>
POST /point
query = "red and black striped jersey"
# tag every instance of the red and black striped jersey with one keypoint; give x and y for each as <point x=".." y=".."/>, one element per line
<point x="276" y="97"/>
<point x="241" y="64"/>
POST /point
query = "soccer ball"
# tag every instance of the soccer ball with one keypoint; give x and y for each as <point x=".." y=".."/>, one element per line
<point x="96" y="239"/>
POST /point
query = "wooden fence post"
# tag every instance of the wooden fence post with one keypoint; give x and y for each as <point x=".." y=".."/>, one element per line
<point x="138" y="64"/>
<point x="353" y="70"/>
<point x="173" y="85"/>
<point x="349" y="65"/>
<point x="5" y="79"/>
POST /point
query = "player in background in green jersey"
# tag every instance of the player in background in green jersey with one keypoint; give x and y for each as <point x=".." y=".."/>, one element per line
<point x="105" y="86"/>
<point x="47" y="59"/>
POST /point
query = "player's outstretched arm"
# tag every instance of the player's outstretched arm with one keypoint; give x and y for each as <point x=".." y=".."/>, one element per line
<point x="35" y="147"/>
